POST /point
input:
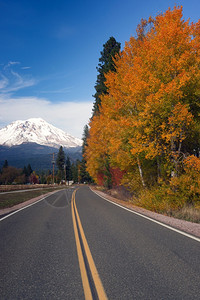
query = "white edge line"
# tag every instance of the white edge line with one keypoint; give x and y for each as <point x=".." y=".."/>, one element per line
<point x="16" y="211"/>
<point x="150" y="219"/>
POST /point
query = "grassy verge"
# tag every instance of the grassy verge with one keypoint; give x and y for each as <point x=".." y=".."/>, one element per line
<point x="11" y="199"/>
<point x="160" y="203"/>
<point x="187" y="213"/>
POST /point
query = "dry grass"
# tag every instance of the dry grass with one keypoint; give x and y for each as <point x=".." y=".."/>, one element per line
<point x="16" y="187"/>
<point x="188" y="213"/>
<point x="11" y="199"/>
<point x="120" y="193"/>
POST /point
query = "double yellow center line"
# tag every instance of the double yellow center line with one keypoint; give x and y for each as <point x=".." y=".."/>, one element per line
<point x="80" y="236"/>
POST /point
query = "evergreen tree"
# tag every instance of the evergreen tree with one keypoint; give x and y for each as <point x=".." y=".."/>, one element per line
<point x="43" y="179"/>
<point x="5" y="165"/>
<point x="59" y="176"/>
<point x="29" y="170"/>
<point x="84" y="175"/>
<point x="84" y="138"/>
<point x="74" y="169"/>
<point x="106" y="64"/>
<point x="60" y="162"/>
<point x="68" y="170"/>
<point x="25" y="172"/>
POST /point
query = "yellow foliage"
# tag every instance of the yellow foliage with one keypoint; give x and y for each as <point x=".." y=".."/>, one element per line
<point x="192" y="166"/>
<point x="150" y="109"/>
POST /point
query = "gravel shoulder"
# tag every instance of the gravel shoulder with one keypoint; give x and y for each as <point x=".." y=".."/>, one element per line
<point x="188" y="227"/>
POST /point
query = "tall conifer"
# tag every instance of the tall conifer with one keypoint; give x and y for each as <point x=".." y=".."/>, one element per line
<point x="60" y="161"/>
<point x="106" y="64"/>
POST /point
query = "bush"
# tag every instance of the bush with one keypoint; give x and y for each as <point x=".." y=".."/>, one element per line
<point x="180" y="192"/>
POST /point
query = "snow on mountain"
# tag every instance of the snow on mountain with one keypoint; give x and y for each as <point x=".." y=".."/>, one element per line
<point x="36" y="130"/>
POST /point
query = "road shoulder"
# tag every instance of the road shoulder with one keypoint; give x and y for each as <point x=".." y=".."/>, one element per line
<point x="186" y="226"/>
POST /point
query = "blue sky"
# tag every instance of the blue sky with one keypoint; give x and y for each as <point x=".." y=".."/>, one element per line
<point x="49" y="51"/>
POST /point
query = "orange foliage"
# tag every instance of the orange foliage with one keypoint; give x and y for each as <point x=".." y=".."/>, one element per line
<point x="192" y="165"/>
<point x="152" y="96"/>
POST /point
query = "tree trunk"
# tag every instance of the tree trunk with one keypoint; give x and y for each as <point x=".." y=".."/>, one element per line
<point x="173" y="154"/>
<point x="141" y="173"/>
<point x="158" y="169"/>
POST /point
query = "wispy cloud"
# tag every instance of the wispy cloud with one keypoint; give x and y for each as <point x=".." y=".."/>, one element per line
<point x="12" y="80"/>
<point x="68" y="116"/>
<point x="25" y="68"/>
<point x="3" y="82"/>
<point x="11" y="63"/>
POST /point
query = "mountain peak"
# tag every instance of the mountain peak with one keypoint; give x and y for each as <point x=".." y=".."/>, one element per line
<point x="36" y="130"/>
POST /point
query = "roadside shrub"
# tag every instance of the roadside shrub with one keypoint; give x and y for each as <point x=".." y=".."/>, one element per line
<point x="187" y="185"/>
<point x="180" y="192"/>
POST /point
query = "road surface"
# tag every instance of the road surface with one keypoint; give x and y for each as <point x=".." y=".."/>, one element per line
<point x="76" y="245"/>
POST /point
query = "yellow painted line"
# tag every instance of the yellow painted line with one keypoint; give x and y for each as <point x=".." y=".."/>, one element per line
<point x="84" y="277"/>
<point x="97" y="281"/>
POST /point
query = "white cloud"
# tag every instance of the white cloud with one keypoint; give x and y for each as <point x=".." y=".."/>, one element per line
<point x="19" y="83"/>
<point x="25" y="68"/>
<point x="3" y="82"/>
<point x="11" y="63"/>
<point x="68" y="116"/>
<point x="12" y="81"/>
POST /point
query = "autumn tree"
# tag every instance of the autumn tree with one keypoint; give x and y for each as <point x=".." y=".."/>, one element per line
<point x="149" y="115"/>
<point x="96" y="153"/>
<point x="106" y="64"/>
<point x="34" y="178"/>
<point x="11" y="175"/>
<point x="156" y="88"/>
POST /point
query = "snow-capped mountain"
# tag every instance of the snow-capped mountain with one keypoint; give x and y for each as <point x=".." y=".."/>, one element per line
<point x="37" y="131"/>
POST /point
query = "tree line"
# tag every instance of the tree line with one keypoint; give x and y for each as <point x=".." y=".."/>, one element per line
<point x="10" y="175"/>
<point x="76" y="171"/>
<point x="145" y="128"/>
<point x="66" y="171"/>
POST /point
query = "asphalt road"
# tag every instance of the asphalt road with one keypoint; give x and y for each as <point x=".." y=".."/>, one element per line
<point x="134" y="257"/>
<point x="38" y="257"/>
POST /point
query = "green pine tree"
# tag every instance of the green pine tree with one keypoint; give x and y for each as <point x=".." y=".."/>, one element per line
<point x="106" y="64"/>
<point x="60" y="162"/>
<point x="75" y="171"/>
<point x="84" y="175"/>
<point x="68" y="170"/>
<point x="5" y="165"/>
<point x="29" y="170"/>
